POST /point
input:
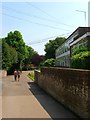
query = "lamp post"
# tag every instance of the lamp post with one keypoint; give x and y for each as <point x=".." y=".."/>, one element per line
<point x="84" y="14"/>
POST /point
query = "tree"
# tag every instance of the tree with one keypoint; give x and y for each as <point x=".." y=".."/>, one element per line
<point x="31" y="52"/>
<point x="15" y="40"/>
<point x="16" y="55"/>
<point x="9" y="55"/>
<point x="52" y="46"/>
<point x="36" y="59"/>
<point x="28" y="60"/>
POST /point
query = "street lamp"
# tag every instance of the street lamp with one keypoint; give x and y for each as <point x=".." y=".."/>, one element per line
<point x="84" y="14"/>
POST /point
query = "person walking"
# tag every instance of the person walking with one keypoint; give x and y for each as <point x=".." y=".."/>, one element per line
<point x="18" y="74"/>
<point x="15" y="75"/>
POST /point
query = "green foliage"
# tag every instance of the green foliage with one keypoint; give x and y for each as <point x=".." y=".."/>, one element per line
<point x="81" y="60"/>
<point x="9" y="55"/>
<point x="15" y="40"/>
<point x="31" y="52"/>
<point x="49" y="62"/>
<point x="31" y="76"/>
<point x="52" y="46"/>
<point x="81" y="49"/>
<point x="16" y="55"/>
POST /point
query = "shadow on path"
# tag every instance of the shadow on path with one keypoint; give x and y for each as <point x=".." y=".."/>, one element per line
<point x="54" y="108"/>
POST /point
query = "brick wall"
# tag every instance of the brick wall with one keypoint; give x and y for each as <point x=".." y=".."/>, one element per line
<point x="68" y="86"/>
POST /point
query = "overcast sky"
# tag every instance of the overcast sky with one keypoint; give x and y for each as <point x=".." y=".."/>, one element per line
<point x="39" y="22"/>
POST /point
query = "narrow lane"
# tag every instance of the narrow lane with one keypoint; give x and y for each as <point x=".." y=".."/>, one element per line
<point x="24" y="99"/>
<point x="18" y="101"/>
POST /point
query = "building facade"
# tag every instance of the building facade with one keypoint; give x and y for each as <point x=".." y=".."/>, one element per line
<point x="80" y="37"/>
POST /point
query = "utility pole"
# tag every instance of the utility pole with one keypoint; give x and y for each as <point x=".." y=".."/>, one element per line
<point x="84" y="15"/>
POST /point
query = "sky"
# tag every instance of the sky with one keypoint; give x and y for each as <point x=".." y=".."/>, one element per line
<point x="41" y="21"/>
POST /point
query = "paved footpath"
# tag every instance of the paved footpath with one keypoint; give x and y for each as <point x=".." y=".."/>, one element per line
<point x="24" y="99"/>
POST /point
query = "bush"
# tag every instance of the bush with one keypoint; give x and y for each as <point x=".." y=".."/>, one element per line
<point x="49" y="62"/>
<point x="81" y="60"/>
<point x="81" y="49"/>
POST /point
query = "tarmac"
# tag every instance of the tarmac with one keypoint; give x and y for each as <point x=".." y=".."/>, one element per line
<point x="25" y="99"/>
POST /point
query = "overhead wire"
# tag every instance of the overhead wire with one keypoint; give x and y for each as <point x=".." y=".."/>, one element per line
<point x="45" y="25"/>
<point x="46" y="39"/>
<point x="40" y="41"/>
<point x="41" y="18"/>
<point x="51" y="16"/>
<point x="43" y="40"/>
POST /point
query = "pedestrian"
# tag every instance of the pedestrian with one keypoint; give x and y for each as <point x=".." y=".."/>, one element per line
<point x="15" y="75"/>
<point x="18" y="74"/>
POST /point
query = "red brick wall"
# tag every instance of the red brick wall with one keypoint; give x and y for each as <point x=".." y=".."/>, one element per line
<point x="68" y="86"/>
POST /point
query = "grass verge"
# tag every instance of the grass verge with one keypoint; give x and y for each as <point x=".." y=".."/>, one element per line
<point x="31" y="76"/>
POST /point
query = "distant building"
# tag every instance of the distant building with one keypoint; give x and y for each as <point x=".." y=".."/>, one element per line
<point x="80" y="37"/>
<point x="89" y="14"/>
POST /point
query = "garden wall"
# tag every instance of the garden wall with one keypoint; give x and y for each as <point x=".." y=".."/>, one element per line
<point x="70" y="87"/>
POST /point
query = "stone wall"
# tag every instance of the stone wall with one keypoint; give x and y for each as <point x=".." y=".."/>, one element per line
<point x="69" y="86"/>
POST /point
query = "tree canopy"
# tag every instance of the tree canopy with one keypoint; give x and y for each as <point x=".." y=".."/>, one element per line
<point x="9" y="56"/>
<point x="31" y="52"/>
<point x="52" y="45"/>
<point x="15" y="40"/>
<point x="36" y="59"/>
<point x="15" y="54"/>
